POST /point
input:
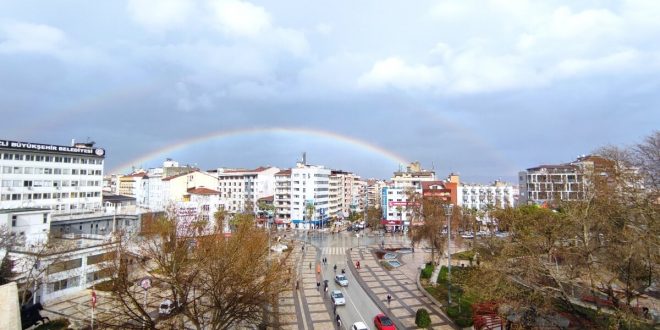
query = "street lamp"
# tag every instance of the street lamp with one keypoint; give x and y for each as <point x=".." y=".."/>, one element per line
<point x="448" y="211"/>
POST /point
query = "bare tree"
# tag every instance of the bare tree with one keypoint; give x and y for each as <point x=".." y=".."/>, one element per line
<point x="219" y="281"/>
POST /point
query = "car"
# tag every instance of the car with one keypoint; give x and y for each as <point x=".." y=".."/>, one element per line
<point x="359" y="326"/>
<point x="167" y="307"/>
<point x="338" y="298"/>
<point x="382" y="322"/>
<point x="341" y="279"/>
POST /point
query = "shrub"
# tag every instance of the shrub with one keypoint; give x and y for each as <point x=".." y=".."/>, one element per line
<point x="427" y="271"/>
<point x="422" y="318"/>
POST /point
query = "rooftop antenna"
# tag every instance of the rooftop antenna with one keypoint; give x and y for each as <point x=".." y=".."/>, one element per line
<point x="304" y="158"/>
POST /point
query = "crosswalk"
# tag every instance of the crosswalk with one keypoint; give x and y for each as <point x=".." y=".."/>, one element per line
<point x="333" y="251"/>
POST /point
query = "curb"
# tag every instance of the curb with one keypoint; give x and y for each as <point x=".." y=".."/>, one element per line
<point x="435" y="301"/>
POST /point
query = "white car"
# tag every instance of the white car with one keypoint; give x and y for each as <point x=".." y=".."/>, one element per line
<point x="341" y="280"/>
<point x="359" y="326"/>
<point x="167" y="307"/>
<point x="338" y="298"/>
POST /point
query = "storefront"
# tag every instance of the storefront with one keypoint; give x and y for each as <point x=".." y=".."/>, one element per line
<point x="392" y="225"/>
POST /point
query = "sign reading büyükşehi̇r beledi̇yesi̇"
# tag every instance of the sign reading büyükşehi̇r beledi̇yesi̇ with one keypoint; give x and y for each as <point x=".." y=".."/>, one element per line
<point x="49" y="147"/>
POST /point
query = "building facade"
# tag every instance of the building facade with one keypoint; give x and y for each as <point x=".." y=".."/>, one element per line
<point x="240" y="187"/>
<point x="65" y="179"/>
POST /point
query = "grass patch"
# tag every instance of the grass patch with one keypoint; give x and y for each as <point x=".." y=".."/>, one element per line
<point x="427" y="271"/>
<point x="461" y="309"/>
<point x="464" y="255"/>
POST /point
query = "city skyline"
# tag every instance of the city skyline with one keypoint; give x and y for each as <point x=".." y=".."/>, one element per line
<point x="360" y="87"/>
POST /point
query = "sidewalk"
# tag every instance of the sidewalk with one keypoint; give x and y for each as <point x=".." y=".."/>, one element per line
<point x="400" y="283"/>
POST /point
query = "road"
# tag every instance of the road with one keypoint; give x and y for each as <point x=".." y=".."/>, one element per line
<point x="359" y="305"/>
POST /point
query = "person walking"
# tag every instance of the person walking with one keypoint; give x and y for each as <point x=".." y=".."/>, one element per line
<point x="338" y="319"/>
<point x="310" y="266"/>
<point x="335" y="268"/>
<point x="389" y="299"/>
<point x="318" y="286"/>
<point x="296" y="284"/>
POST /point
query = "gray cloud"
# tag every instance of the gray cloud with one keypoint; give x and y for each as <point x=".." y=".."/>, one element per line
<point x="480" y="88"/>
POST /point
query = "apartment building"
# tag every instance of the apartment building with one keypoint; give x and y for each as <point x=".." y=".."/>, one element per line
<point x="310" y="185"/>
<point x="396" y="214"/>
<point x="282" y="198"/>
<point x="374" y="192"/>
<point x="238" y="187"/>
<point x="484" y="197"/>
<point x="176" y="188"/>
<point x="566" y="182"/>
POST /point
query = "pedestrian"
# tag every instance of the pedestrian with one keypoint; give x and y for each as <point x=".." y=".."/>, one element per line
<point x="338" y="321"/>
<point x="318" y="285"/>
<point x="296" y="284"/>
<point x="310" y="266"/>
<point x="389" y="298"/>
<point x="335" y="268"/>
<point x="326" y="289"/>
<point x="334" y="309"/>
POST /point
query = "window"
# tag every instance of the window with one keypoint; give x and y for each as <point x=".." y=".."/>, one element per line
<point x="13" y="220"/>
<point x="7" y="156"/>
<point x="64" y="266"/>
<point x="64" y="284"/>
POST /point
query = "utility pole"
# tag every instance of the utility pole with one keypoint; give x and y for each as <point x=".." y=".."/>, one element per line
<point x="448" y="211"/>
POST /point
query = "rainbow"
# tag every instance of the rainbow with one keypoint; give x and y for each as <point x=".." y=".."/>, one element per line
<point x="395" y="158"/>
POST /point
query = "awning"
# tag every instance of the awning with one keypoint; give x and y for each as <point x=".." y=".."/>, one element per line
<point x="390" y="222"/>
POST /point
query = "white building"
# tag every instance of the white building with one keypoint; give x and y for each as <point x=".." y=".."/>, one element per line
<point x="27" y="226"/>
<point x="241" y="186"/>
<point x="310" y="187"/>
<point x="396" y="214"/>
<point x="65" y="179"/>
<point x="73" y="263"/>
<point x="282" y="198"/>
<point x="483" y="197"/>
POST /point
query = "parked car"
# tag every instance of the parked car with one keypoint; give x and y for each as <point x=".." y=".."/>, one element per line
<point x="167" y="307"/>
<point x="359" y="326"/>
<point x="338" y="298"/>
<point x="341" y="280"/>
<point x="382" y="322"/>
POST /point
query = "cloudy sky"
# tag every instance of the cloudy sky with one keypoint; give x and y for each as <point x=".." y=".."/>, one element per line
<point x="482" y="88"/>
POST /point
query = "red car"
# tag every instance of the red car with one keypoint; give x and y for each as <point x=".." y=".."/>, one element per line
<point x="382" y="322"/>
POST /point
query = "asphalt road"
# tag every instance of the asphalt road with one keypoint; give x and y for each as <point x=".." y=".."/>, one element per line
<point x="359" y="306"/>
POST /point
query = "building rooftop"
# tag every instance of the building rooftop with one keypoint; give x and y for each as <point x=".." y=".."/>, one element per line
<point x="112" y="198"/>
<point x="24" y="209"/>
<point x="203" y="191"/>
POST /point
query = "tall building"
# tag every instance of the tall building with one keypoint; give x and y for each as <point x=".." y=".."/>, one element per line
<point x="374" y="189"/>
<point x="310" y="187"/>
<point x="240" y="186"/>
<point x="396" y="213"/>
<point x="567" y="182"/>
<point x="51" y="201"/>
<point x="65" y="179"/>
<point x="282" y="198"/>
